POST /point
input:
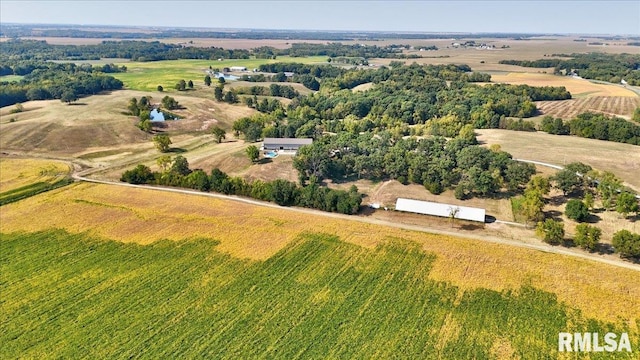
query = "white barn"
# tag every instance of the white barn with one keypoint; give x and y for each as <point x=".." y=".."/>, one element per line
<point x="439" y="209"/>
<point x="238" y="68"/>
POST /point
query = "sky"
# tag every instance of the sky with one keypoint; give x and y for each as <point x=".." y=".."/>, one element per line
<point x="510" y="16"/>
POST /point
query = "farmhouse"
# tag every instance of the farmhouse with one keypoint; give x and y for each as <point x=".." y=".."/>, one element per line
<point x="439" y="209"/>
<point x="291" y="144"/>
<point x="238" y="68"/>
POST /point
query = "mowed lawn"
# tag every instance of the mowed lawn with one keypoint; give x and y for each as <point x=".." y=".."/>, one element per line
<point x="75" y="296"/>
<point x="146" y="76"/>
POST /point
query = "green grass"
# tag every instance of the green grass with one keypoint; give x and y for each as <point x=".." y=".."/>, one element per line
<point x="10" y="78"/>
<point x="146" y="76"/>
<point x="72" y="296"/>
<point x="26" y="191"/>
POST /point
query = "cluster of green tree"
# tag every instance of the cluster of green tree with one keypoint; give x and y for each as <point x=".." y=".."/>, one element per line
<point x="183" y="85"/>
<point x="518" y="125"/>
<point x="554" y="126"/>
<point x="133" y="50"/>
<point x="349" y="60"/>
<point x="176" y="172"/>
<point x="434" y="162"/>
<point x="542" y="63"/>
<point x="415" y="94"/>
<point x="594" y="126"/>
<point x="49" y="80"/>
<point x="285" y="91"/>
<point x="25" y="67"/>
<point x="597" y="66"/>
<point x="142" y="109"/>
<point x="230" y="97"/>
<point x="337" y="49"/>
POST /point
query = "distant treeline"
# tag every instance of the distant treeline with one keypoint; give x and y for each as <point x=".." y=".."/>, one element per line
<point x="25" y="30"/>
<point x="285" y="91"/>
<point x="47" y="80"/>
<point x="132" y="50"/>
<point x="282" y="192"/>
<point x="594" y="126"/>
<point x="154" y="50"/>
<point x="597" y="66"/>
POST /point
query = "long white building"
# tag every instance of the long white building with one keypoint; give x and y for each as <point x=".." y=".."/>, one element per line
<point x="439" y="209"/>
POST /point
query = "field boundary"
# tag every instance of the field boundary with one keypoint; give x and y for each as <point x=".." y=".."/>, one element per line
<point x="491" y="239"/>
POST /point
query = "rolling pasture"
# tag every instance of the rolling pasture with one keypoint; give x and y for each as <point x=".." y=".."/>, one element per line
<point x="254" y="233"/>
<point x="73" y="295"/>
<point x="146" y="76"/>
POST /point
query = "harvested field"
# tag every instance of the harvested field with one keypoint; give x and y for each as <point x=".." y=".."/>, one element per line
<point x="577" y="87"/>
<point x="622" y="106"/>
<point x="621" y="159"/>
<point x="252" y="232"/>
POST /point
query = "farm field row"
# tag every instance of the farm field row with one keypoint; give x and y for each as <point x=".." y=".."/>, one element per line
<point x="22" y="178"/>
<point x="608" y="105"/>
<point x="245" y="231"/>
<point x="66" y="295"/>
<point x="146" y="76"/>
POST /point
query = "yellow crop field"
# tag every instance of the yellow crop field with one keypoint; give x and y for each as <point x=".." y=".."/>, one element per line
<point x="255" y="232"/>
<point x="16" y="173"/>
<point x="577" y="87"/>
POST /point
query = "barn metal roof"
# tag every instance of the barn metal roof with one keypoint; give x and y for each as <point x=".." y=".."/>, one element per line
<point x="439" y="209"/>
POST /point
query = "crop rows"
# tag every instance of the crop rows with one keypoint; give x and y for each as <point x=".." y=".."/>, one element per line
<point x="71" y="296"/>
<point x="609" y="105"/>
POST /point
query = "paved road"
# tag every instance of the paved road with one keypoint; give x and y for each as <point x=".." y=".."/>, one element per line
<point x="492" y="239"/>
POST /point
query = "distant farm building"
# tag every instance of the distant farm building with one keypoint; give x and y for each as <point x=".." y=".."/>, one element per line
<point x="286" y="144"/>
<point x="238" y="68"/>
<point x="438" y="209"/>
<point x="156" y="115"/>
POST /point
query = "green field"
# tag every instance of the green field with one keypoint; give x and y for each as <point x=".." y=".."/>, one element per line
<point x="10" y="78"/>
<point x="146" y="76"/>
<point x="71" y="296"/>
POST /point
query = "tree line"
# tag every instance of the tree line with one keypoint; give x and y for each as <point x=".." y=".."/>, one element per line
<point x="176" y="172"/>
<point x="594" y="126"/>
<point x="57" y="81"/>
<point x="597" y="66"/>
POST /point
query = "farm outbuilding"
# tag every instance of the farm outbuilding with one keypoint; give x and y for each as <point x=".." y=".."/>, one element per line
<point x="238" y="68"/>
<point x="439" y="209"/>
<point x="291" y="144"/>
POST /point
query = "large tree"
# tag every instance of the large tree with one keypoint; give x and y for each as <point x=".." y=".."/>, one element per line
<point x="162" y="142"/>
<point x="576" y="210"/>
<point x="68" y="97"/>
<point x="253" y="153"/>
<point x="218" y="133"/>
<point x="626" y="203"/>
<point x="626" y="243"/>
<point x="551" y="231"/>
<point x="207" y="80"/>
<point x="567" y="180"/>
<point x="587" y="236"/>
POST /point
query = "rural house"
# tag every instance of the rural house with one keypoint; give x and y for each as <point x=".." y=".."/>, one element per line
<point x="290" y="144"/>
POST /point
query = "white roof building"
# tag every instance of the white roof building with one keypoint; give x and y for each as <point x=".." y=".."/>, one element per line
<point x="439" y="209"/>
